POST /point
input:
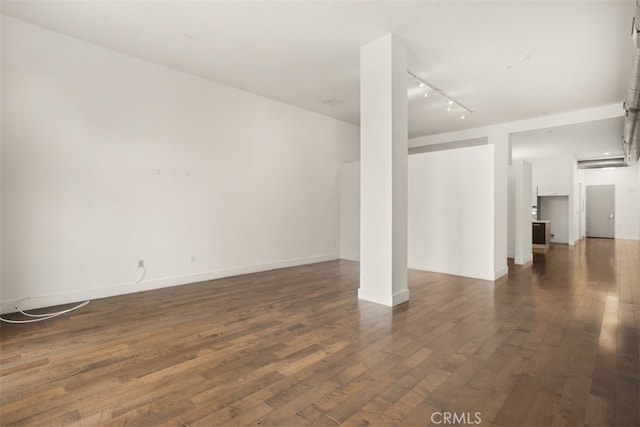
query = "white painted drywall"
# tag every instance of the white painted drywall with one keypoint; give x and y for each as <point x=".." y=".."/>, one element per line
<point x="511" y="212"/>
<point x="450" y="212"/>
<point x="524" y="249"/>
<point x="519" y="212"/>
<point x="350" y="211"/>
<point x="574" y="205"/>
<point x="627" y="197"/>
<point x="582" y="207"/>
<point x="107" y="159"/>
<point x="501" y="161"/>
<point x="556" y="210"/>
<point x="383" y="171"/>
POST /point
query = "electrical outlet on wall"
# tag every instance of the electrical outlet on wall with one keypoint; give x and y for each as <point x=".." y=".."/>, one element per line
<point x="192" y="258"/>
<point x="140" y="263"/>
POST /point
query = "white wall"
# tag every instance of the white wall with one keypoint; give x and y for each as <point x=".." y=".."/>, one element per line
<point x="574" y="205"/>
<point x="556" y="210"/>
<point x="450" y="212"/>
<point x="501" y="161"/>
<point x="524" y="249"/>
<point x="627" y="197"/>
<point x="107" y="158"/>
<point x="582" y="211"/>
<point x="511" y="212"/>
<point x="519" y="212"/>
<point x="350" y="211"/>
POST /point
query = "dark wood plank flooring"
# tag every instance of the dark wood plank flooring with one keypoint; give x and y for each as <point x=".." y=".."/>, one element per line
<point x="556" y="343"/>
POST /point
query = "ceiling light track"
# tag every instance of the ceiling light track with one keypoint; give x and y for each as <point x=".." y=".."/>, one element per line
<point x="451" y="102"/>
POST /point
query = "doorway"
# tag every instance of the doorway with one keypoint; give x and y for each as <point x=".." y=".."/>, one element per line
<point x="600" y="215"/>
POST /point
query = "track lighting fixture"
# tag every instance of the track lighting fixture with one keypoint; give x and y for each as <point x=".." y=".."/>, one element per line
<point x="451" y="103"/>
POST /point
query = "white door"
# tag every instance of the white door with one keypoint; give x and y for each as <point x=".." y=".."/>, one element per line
<point x="601" y="219"/>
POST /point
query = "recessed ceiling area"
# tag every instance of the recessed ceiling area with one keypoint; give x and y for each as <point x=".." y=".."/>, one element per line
<point x="596" y="139"/>
<point x="506" y="61"/>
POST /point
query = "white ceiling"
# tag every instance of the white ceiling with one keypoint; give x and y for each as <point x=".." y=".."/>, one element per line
<point x="301" y="53"/>
<point x="597" y="139"/>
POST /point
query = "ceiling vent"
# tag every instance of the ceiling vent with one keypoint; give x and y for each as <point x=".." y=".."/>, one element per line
<point x="612" y="162"/>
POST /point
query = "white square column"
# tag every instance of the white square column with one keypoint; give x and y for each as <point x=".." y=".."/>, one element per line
<point x="523" y="254"/>
<point x="501" y="155"/>
<point x="383" y="174"/>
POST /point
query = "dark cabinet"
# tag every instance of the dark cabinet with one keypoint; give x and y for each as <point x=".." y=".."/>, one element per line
<point x="539" y="233"/>
<point x="540" y="237"/>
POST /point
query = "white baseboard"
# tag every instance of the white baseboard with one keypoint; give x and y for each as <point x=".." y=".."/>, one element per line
<point x="350" y="256"/>
<point x="455" y="270"/>
<point x="503" y="271"/>
<point x="47" y="300"/>
<point x="575" y="242"/>
<point x="383" y="299"/>
<point x="628" y="237"/>
<point x="523" y="260"/>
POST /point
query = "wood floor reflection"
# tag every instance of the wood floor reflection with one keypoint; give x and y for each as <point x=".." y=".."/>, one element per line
<point x="555" y="343"/>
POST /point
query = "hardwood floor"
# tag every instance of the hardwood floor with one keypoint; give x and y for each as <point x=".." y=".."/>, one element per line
<point x="556" y="343"/>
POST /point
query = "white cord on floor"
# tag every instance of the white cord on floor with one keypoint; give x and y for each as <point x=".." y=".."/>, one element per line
<point x="47" y="316"/>
<point x="41" y="317"/>
<point x="144" y="273"/>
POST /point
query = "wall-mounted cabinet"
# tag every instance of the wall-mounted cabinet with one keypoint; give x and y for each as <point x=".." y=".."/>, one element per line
<point x="552" y="177"/>
<point x="553" y="189"/>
